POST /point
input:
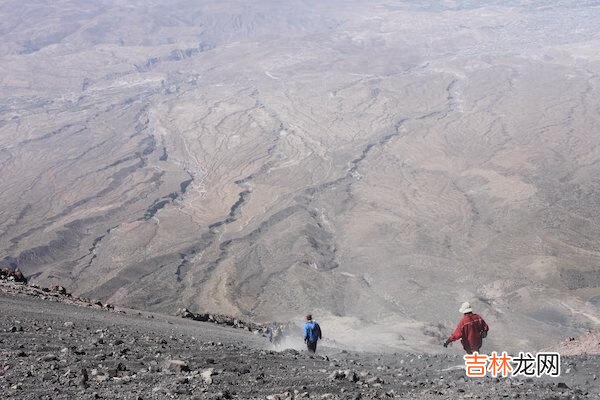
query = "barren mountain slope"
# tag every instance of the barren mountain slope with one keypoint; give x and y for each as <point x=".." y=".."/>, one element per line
<point x="376" y="163"/>
<point x="52" y="350"/>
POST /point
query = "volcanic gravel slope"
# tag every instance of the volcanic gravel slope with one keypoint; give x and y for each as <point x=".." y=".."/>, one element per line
<point x="52" y="350"/>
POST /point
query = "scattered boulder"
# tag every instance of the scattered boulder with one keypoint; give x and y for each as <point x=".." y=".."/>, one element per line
<point x="344" y="375"/>
<point x="82" y="380"/>
<point x="49" y="357"/>
<point x="274" y="332"/>
<point x="562" y="385"/>
<point x="206" y="375"/>
<point x="59" y="289"/>
<point x="177" y="366"/>
<point x="14" y="275"/>
<point x="224" y="394"/>
<point x="374" y="380"/>
<point x="184" y="313"/>
<point x="352" y="376"/>
<point x="337" y="375"/>
<point x="18" y="276"/>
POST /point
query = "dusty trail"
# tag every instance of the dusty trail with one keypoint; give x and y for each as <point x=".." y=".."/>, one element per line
<point x="52" y="350"/>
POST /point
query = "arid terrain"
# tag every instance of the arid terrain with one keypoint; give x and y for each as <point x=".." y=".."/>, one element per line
<point x="375" y="163"/>
<point x="55" y="347"/>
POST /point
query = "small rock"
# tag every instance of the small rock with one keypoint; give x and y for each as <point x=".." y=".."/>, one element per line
<point x="374" y="380"/>
<point x="83" y="378"/>
<point x="176" y="366"/>
<point x="206" y="375"/>
<point x="351" y="376"/>
<point x="59" y="289"/>
<point x="337" y="375"/>
<point x="49" y="357"/>
<point x="222" y="395"/>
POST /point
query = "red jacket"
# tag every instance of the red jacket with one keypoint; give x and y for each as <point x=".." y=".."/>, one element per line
<point x="469" y="331"/>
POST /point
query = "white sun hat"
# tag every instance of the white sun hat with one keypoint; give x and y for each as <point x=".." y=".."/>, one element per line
<point x="465" y="308"/>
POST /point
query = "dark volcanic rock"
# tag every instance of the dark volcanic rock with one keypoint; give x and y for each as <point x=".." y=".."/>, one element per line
<point x="14" y="275"/>
<point x="59" y="350"/>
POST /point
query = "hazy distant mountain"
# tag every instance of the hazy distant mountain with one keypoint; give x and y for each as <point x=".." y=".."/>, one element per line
<point x="376" y="163"/>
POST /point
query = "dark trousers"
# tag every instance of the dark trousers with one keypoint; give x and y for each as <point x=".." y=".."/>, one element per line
<point x="312" y="346"/>
<point x="469" y="350"/>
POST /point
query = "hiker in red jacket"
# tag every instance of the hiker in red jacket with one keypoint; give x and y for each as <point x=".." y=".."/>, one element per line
<point x="470" y="330"/>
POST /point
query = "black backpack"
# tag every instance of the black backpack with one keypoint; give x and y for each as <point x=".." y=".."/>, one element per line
<point x="318" y="329"/>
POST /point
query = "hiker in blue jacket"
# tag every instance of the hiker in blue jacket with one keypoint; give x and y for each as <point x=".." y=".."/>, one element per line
<point x="312" y="333"/>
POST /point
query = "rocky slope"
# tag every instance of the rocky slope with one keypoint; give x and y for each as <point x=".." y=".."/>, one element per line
<point x="55" y="348"/>
<point x="589" y="343"/>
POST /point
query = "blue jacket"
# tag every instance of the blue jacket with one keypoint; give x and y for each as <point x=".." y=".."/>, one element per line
<point x="312" y="331"/>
